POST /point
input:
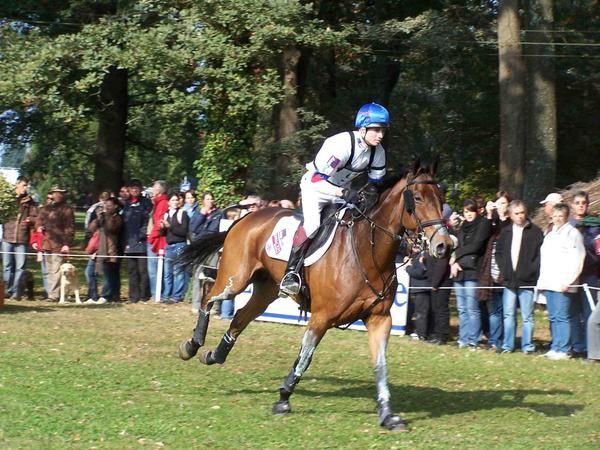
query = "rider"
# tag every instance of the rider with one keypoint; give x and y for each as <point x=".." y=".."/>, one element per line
<point x="327" y="180"/>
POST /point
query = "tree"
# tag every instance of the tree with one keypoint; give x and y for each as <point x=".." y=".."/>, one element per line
<point x="512" y="82"/>
<point x="541" y="149"/>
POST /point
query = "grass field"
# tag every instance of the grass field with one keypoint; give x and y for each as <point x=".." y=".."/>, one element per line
<point x="108" y="377"/>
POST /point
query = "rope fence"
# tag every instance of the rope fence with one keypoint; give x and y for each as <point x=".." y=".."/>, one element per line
<point x="160" y="268"/>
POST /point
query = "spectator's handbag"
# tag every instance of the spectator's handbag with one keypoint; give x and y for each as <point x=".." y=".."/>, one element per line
<point x="468" y="262"/>
<point x="93" y="243"/>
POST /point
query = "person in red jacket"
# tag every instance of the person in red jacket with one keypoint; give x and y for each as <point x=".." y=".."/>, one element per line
<point x="156" y="240"/>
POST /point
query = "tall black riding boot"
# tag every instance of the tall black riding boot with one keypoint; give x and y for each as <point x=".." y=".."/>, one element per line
<point x="292" y="281"/>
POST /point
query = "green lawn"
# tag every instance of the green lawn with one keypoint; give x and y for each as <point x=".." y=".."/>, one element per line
<point x="108" y="377"/>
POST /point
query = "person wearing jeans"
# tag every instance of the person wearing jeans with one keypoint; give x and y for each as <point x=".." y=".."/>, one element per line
<point x="562" y="255"/>
<point x="174" y="226"/>
<point x="16" y="234"/>
<point x="518" y="258"/>
<point x="526" y="304"/>
<point x="155" y="238"/>
<point x="472" y="234"/>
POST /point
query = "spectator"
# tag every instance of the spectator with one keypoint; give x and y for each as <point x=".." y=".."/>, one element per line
<point x="136" y="214"/>
<point x="491" y="299"/>
<point x="250" y="204"/>
<point x="580" y="307"/>
<point x="287" y="204"/>
<point x="432" y="321"/>
<point x="109" y="222"/>
<point x="191" y="203"/>
<point x="36" y="241"/>
<point x="593" y="336"/>
<point x="155" y="241"/>
<point x="518" y="257"/>
<point x="274" y="204"/>
<point x="203" y="224"/>
<point x="174" y="226"/>
<point x="124" y="194"/>
<point x="16" y="236"/>
<point x="549" y="202"/>
<point x="562" y="256"/>
<point x="56" y="222"/>
<point x="446" y="209"/>
<point x="92" y="268"/>
<point x="472" y="236"/>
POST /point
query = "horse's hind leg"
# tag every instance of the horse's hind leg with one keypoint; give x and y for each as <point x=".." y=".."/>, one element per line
<point x="312" y="336"/>
<point x="379" y="327"/>
<point x="225" y="287"/>
<point x="264" y="292"/>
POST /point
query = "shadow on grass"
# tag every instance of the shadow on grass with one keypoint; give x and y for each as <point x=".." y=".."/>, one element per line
<point x="435" y="402"/>
<point x="12" y="308"/>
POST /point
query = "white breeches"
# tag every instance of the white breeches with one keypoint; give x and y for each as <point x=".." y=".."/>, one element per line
<point x="313" y="203"/>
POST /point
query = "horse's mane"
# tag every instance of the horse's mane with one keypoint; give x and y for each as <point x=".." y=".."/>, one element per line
<point x="421" y="166"/>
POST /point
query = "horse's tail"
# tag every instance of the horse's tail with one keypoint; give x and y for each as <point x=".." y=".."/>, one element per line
<point x="199" y="251"/>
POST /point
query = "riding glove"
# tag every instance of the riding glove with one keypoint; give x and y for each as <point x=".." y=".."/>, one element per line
<point x="351" y="196"/>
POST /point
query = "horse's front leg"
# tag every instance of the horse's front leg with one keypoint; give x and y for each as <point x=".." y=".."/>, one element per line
<point x="379" y="327"/>
<point x="310" y="340"/>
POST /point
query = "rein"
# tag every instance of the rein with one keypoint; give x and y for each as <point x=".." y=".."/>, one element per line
<point x="409" y="207"/>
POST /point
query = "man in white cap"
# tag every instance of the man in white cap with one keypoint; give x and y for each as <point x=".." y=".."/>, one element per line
<point x="551" y="199"/>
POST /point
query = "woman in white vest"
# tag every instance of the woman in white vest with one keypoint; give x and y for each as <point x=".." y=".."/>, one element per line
<point x="561" y="261"/>
<point x="340" y="160"/>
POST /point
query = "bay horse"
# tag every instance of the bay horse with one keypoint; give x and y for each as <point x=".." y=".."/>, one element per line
<point x="355" y="278"/>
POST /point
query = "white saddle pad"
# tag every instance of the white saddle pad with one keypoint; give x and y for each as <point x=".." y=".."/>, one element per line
<point x="279" y="245"/>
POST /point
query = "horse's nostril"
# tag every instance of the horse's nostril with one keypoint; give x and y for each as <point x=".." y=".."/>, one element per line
<point x="440" y="250"/>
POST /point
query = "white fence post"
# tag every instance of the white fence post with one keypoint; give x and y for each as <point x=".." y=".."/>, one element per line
<point x="159" y="274"/>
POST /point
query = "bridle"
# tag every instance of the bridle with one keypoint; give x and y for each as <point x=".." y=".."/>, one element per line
<point x="421" y="239"/>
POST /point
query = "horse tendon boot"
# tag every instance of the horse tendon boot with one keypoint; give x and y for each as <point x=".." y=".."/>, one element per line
<point x="219" y="355"/>
<point x="189" y="348"/>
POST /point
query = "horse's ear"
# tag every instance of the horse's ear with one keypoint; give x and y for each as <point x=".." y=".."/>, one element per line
<point x="416" y="166"/>
<point x="436" y="162"/>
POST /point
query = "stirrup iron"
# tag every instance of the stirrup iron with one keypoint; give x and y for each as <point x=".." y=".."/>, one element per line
<point x="290" y="285"/>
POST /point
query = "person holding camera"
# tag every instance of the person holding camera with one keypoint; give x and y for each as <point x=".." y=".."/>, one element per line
<point x="108" y="223"/>
<point x="465" y="265"/>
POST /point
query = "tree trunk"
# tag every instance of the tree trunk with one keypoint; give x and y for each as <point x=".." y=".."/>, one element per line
<point x="541" y="127"/>
<point x="112" y="128"/>
<point x="512" y="99"/>
<point x="288" y="121"/>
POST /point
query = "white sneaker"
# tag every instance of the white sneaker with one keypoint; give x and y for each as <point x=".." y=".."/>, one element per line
<point x="101" y="301"/>
<point x="549" y="354"/>
<point x="195" y="311"/>
<point x="89" y="301"/>
<point x="557" y="356"/>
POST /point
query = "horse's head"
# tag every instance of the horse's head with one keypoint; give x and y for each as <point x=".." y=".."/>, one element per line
<point x="422" y="208"/>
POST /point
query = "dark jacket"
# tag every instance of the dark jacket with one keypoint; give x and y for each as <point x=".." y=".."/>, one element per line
<point x="178" y="226"/>
<point x="57" y="222"/>
<point x="432" y="272"/>
<point x="202" y="225"/>
<point x="109" y="227"/>
<point x="472" y="241"/>
<point x="528" y="266"/>
<point x="589" y="230"/>
<point x="135" y="223"/>
<point x="17" y="229"/>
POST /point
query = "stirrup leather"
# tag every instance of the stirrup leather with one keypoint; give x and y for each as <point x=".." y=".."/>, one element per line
<point x="291" y="283"/>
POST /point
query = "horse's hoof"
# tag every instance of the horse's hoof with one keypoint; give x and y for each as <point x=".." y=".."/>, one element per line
<point x="281" y="407"/>
<point x="395" y="423"/>
<point x="206" y="357"/>
<point x="188" y="349"/>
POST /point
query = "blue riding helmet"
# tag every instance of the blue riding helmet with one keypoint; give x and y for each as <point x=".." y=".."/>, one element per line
<point x="372" y="115"/>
